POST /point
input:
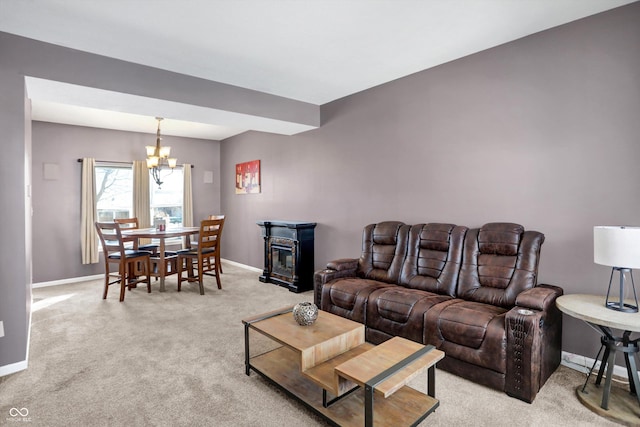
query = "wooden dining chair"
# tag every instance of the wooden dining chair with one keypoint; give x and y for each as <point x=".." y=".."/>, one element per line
<point x="195" y="244"/>
<point x="131" y="224"/>
<point x="129" y="261"/>
<point x="220" y="217"/>
<point x="207" y="249"/>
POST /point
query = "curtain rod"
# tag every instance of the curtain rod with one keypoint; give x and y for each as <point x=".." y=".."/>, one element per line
<point x="123" y="163"/>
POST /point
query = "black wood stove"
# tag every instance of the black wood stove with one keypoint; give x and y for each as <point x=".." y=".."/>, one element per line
<point x="288" y="254"/>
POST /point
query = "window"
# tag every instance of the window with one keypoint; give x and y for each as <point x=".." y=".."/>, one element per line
<point x="166" y="202"/>
<point x="114" y="192"/>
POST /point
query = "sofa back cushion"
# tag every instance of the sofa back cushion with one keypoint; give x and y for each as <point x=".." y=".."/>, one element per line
<point x="384" y="246"/>
<point x="433" y="258"/>
<point x="499" y="261"/>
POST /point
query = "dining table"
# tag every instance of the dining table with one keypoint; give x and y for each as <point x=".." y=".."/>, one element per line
<point x="162" y="236"/>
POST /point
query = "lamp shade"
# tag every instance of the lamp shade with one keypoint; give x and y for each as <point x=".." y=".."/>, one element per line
<point x="616" y="246"/>
<point x="152" y="162"/>
<point x="165" y="152"/>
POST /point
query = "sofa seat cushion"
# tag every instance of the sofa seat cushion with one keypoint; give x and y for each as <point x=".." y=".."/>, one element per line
<point x="466" y="323"/>
<point x="347" y="297"/>
<point x="470" y="331"/>
<point x="400" y="311"/>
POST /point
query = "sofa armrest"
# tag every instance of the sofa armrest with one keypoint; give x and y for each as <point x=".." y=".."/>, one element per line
<point x="540" y="298"/>
<point x="343" y="264"/>
<point x="337" y="269"/>
<point x="534" y="341"/>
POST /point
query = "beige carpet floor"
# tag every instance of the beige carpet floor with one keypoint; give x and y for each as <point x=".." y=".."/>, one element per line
<point x="177" y="359"/>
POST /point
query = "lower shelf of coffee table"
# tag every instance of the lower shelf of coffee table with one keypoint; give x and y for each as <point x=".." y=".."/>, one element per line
<point x="405" y="407"/>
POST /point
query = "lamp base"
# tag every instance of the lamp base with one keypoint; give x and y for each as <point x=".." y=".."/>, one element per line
<point x="620" y="305"/>
<point x="626" y="308"/>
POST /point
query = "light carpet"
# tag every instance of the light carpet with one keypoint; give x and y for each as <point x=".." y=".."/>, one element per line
<point x="177" y="359"/>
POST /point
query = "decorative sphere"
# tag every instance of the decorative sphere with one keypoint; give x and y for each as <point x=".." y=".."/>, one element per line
<point x="305" y="313"/>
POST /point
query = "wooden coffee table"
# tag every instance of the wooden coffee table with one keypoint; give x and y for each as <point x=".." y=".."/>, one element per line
<point x="367" y="382"/>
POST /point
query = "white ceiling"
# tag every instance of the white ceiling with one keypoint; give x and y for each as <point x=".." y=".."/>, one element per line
<point x="309" y="50"/>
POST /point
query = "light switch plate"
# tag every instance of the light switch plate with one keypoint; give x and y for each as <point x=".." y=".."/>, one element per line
<point x="1" y="328"/>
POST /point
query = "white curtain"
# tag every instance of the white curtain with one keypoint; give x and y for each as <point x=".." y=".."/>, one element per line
<point x="88" y="236"/>
<point x="187" y="197"/>
<point x="141" y="197"/>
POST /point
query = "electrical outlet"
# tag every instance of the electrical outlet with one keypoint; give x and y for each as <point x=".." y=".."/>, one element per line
<point x="1" y="328"/>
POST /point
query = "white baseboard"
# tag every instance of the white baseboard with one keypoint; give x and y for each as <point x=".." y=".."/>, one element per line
<point x="13" y="368"/>
<point x="246" y="267"/>
<point x="584" y="363"/>
<point x="66" y="281"/>
<point x="99" y="276"/>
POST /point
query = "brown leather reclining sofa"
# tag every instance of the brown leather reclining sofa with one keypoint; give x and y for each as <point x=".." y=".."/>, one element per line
<point x="472" y="293"/>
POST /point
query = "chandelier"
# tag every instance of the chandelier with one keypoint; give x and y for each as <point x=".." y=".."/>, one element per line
<point x="158" y="156"/>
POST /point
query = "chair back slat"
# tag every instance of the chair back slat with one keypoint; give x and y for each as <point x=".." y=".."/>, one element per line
<point x="210" y="230"/>
<point x="220" y="218"/>
<point x="127" y="223"/>
<point x="111" y="238"/>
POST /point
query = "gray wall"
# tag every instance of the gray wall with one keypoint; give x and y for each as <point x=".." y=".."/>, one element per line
<point x="25" y="57"/>
<point x="543" y="131"/>
<point x="15" y="262"/>
<point x="56" y="203"/>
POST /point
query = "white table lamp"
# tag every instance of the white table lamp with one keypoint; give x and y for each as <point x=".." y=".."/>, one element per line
<point x="618" y="247"/>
